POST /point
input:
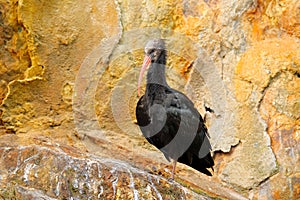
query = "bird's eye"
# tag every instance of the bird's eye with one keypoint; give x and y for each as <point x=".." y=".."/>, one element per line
<point x="151" y="51"/>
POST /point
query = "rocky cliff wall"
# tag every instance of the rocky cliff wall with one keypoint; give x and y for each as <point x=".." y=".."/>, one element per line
<point x="69" y="71"/>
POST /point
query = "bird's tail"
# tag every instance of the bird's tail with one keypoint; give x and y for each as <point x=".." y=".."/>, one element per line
<point x="203" y="164"/>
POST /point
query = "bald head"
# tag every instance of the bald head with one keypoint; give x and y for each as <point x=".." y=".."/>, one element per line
<point x="155" y="48"/>
<point x="155" y="44"/>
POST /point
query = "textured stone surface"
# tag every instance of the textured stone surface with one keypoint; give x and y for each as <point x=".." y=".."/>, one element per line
<point x="55" y="40"/>
<point x="69" y="69"/>
<point x="274" y="98"/>
<point x="49" y="172"/>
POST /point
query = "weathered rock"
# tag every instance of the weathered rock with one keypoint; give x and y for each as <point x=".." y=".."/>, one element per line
<point x="267" y="19"/>
<point x="69" y="68"/>
<point x="51" y="172"/>
<point x="56" y="38"/>
<point x="271" y="92"/>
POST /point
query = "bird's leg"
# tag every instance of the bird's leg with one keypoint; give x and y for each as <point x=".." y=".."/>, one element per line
<point x="173" y="170"/>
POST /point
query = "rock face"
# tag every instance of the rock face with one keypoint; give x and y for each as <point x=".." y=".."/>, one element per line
<point x="49" y="172"/>
<point x="68" y="78"/>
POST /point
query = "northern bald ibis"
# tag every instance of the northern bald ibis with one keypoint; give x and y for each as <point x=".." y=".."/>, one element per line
<point x="168" y="118"/>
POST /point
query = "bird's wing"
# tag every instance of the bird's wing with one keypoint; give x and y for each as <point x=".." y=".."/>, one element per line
<point x="174" y="126"/>
<point x="185" y="128"/>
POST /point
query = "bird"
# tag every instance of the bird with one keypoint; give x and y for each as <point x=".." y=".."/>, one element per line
<point x="168" y="119"/>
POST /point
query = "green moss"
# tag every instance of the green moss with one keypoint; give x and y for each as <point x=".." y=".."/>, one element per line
<point x="9" y="192"/>
<point x="170" y="191"/>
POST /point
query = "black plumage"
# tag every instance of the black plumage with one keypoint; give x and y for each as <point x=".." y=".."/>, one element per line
<point x="168" y="119"/>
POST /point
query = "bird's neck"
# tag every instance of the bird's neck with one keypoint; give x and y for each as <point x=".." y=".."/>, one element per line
<point x="156" y="74"/>
<point x="156" y="81"/>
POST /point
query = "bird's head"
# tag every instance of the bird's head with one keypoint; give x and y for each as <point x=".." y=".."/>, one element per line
<point x="155" y="52"/>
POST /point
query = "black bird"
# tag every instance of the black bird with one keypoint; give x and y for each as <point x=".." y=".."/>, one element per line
<point x="168" y="119"/>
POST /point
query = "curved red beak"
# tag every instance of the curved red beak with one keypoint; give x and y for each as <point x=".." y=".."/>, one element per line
<point x="146" y="62"/>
